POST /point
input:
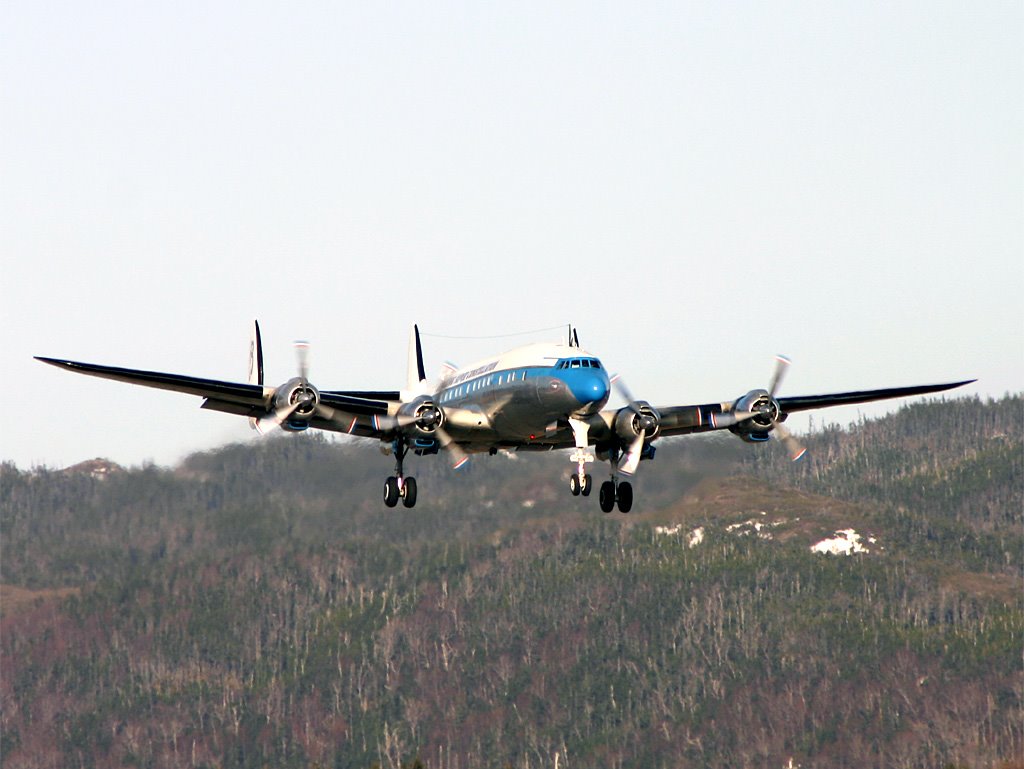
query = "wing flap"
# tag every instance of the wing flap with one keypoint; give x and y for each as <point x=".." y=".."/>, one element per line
<point x="354" y="404"/>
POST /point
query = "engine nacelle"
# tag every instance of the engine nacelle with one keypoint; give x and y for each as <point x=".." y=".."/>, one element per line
<point x="301" y="395"/>
<point x="629" y="424"/>
<point x="766" y="412"/>
<point x="426" y="416"/>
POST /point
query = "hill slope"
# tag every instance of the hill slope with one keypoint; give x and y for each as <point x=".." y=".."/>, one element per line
<point x="257" y="606"/>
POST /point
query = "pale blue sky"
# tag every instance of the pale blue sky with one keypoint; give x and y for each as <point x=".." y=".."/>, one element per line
<point x="697" y="186"/>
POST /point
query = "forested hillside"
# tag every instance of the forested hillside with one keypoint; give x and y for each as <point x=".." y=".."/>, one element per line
<point x="258" y="606"/>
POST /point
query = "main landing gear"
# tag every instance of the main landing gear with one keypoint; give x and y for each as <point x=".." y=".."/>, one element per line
<point x="616" y="492"/>
<point x="397" y="486"/>
<point x="613" y="491"/>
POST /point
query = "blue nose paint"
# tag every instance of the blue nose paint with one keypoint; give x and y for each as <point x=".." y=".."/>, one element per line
<point x="587" y="386"/>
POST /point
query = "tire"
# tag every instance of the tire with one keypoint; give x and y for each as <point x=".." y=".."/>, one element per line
<point x="574" y="484"/>
<point x="625" y="499"/>
<point x="606" y="497"/>
<point x="391" y="491"/>
<point x="409" y="492"/>
<point x="587" y="486"/>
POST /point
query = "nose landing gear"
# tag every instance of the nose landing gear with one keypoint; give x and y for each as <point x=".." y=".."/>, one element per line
<point x="581" y="484"/>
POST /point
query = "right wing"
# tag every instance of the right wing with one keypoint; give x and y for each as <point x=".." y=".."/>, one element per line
<point x="682" y="420"/>
<point x="350" y="411"/>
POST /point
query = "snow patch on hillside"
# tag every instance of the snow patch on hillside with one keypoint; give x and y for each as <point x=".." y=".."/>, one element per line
<point x="695" y="538"/>
<point x="760" y="528"/>
<point x="845" y="542"/>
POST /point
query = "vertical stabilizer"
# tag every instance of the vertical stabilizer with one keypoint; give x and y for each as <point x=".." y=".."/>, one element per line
<point x="255" y="365"/>
<point x="415" y="372"/>
<point x="256" y="356"/>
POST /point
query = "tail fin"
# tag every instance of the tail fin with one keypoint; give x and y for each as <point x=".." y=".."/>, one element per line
<point x="255" y="364"/>
<point x="255" y="355"/>
<point x="415" y="373"/>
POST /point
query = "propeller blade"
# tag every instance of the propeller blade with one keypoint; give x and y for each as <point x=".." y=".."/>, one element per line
<point x="302" y="354"/>
<point x="459" y="457"/>
<point x="729" y="418"/>
<point x="268" y="423"/>
<point x="631" y="461"/>
<point x="793" y="446"/>
<point x="625" y="394"/>
<point x="388" y="422"/>
<point x="781" y="366"/>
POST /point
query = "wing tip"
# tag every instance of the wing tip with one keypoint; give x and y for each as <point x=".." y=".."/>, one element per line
<point x="54" y="361"/>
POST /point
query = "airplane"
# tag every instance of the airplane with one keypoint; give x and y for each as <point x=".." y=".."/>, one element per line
<point x="537" y="397"/>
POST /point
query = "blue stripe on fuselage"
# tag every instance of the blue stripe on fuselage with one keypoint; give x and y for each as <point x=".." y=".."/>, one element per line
<point x="589" y="386"/>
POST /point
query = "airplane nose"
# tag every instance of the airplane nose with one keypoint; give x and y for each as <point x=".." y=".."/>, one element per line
<point x="589" y="388"/>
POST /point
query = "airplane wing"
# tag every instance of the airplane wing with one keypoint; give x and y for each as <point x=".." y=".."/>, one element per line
<point x="349" y="410"/>
<point x="682" y="420"/>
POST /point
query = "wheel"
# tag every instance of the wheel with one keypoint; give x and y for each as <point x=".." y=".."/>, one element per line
<point x="574" y="484"/>
<point x="606" y="497"/>
<point x="409" y="492"/>
<point x="587" y="486"/>
<point x="625" y="499"/>
<point x="391" y="491"/>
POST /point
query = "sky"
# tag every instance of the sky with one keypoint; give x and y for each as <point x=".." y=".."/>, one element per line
<point x="695" y="186"/>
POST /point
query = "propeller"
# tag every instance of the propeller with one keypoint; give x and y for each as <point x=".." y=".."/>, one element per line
<point x="431" y="417"/>
<point x="283" y="413"/>
<point x="793" y="446"/>
<point x="646" y="422"/>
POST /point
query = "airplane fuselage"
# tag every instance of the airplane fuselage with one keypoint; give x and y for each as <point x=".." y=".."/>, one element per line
<point x="521" y="394"/>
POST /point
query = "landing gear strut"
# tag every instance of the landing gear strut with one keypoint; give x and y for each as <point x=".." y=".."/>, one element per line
<point x="614" y="491"/>
<point x="580" y="482"/>
<point x="397" y="486"/>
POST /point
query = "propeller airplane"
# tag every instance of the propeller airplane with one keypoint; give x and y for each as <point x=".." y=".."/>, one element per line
<point x="537" y="397"/>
